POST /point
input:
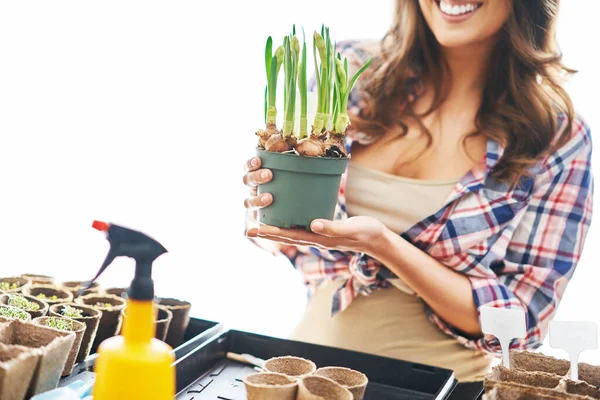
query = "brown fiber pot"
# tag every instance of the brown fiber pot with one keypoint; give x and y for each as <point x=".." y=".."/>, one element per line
<point x="22" y="283"/>
<point x="111" y="319"/>
<point x="294" y="367"/>
<point x="270" y="386"/>
<point x="321" y="388"/>
<point x="42" y="311"/>
<point x="26" y="316"/>
<point x="121" y="292"/>
<point x="17" y="366"/>
<point x="49" y="290"/>
<point x="54" y="346"/>
<point x="180" y="321"/>
<point x="162" y="321"/>
<point x="75" y="286"/>
<point x="78" y="329"/>
<point x="91" y="319"/>
<point x="37" y="279"/>
<point x="355" y="381"/>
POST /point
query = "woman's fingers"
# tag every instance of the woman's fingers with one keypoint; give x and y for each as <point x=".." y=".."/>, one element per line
<point x="259" y="177"/>
<point x="253" y="164"/>
<point x="256" y="202"/>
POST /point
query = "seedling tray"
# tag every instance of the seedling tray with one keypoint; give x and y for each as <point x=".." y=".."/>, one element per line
<point x="206" y="373"/>
<point x="198" y="332"/>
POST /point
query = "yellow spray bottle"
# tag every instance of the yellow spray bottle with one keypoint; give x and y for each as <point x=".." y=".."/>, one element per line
<point x="134" y="365"/>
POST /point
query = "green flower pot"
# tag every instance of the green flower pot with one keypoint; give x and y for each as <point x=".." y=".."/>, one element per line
<point x="303" y="188"/>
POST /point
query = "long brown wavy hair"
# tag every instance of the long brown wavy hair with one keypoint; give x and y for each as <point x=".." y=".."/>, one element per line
<point x="522" y="99"/>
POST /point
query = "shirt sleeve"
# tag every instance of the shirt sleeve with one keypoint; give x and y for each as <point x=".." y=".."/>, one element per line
<point x="545" y="247"/>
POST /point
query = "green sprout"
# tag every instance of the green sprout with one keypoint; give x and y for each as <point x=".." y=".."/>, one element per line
<point x="324" y="73"/>
<point x="72" y="312"/>
<point x="273" y="66"/>
<point x="8" y="286"/>
<point x="291" y="59"/>
<point x="44" y="297"/>
<point x="60" y="323"/>
<point x="343" y="87"/>
<point x="103" y="305"/>
<point x="18" y="301"/>
<point x="303" y="90"/>
<point x="13" y="312"/>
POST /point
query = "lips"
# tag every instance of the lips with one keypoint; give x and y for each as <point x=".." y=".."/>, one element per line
<point x="457" y="10"/>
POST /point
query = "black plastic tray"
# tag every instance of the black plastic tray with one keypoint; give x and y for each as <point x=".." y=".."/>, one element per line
<point x="198" y="332"/>
<point x="206" y="373"/>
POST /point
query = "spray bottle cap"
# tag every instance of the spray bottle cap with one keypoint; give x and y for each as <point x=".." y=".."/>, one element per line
<point x="129" y="243"/>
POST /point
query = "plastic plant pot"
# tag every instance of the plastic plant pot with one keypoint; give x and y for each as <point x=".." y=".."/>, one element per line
<point x="46" y="293"/>
<point x="355" y="381"/>
<point x="270" y="386"/>
<point x="294" y="367"/>
<point x="5" y="299"/>
<point x="111" y="319"/>
<point x="90" y="317"/>
<point x="75" y="286"/>
<point x="76" y="327"/>
<point x="17" y="366"/>
<point x="303" y="188"/>
<point x="14" y="313"/>
<point x="37" y="279"/>
<point x="321" y="388"/>
<point x="13" y="284"/>
<point x="180" y="320"/>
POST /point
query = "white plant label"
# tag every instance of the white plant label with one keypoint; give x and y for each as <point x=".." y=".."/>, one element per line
<point x="505" y="324"/>
<point x="574" y="337"/>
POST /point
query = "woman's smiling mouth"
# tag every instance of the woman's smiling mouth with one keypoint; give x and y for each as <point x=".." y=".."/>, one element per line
<point x="457" y="11"/>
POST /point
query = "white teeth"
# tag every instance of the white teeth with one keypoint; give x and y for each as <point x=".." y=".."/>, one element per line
<point x="450" y="9"/>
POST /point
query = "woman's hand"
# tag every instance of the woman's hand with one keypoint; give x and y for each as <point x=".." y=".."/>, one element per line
<point x="256" y="176"/>
<point x="359" y="234"/>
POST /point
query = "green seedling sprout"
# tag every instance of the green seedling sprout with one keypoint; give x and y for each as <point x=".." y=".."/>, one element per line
<point x="12" y="312"/>
<point x="272" y="67"/>
<point x="60" y="323"/>
<point x="103" y="305"/>
<point x="286" y="140"/>
<point x="8" y="286"/>
<point x="323" y="47"/>
<point x="18" y="301"/>
<point x="44" y="297"/>
<point x="72" y="312"/>
<point x="303" y="91"/>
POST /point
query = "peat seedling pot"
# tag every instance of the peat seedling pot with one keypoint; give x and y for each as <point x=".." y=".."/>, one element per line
<point x="270" y="386"/>
<point x="13" y="284"/>
<point x="111" y="319"/>
<point x="75" y="286"/>
<point x="37" y="279"/>
<point x="355" y="381"/>
<point x="89" y="316"/>
<point x="319" y="388"/>
<point x="117" y="291"/>
<point x="303" y="188"/>
<point x="294" y="367"/>
<point x="65" y="325"/>
<point x="162" y="320"/>
<point x="180" y="320"/>
<point x="49" y="294"/>
<point x="17" y="365"/>
<point x="24" y="302"/>
<point x="14" y="313"/>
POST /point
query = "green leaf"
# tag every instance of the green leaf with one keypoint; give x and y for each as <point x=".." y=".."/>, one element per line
<point x="294" y="30"/>
<point x="268" y="55"/>
<point x="359" y="73"/>
<point x="266" y="104"/>
<point x="273" y="82"/>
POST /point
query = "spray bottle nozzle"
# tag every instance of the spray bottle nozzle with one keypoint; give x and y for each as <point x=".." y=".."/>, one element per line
<point x="129" y="243"/>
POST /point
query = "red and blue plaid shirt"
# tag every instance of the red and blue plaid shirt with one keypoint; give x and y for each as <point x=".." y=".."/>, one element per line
<point x="518" y="246"/>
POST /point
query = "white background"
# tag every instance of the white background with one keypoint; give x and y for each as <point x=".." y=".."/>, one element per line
<point x="143" y="112"/>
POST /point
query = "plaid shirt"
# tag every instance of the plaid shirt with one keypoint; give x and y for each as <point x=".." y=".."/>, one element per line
<point x="518" y="246"/>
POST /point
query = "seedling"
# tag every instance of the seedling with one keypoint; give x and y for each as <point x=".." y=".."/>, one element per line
<point x="22" y="303"/>
<point x="103" y="305"/>
<point x="59" y="323"/>
<point x="12" y="312"/>
<point x="44" y="297"/>
<point x="8" y="286"/>
<point x="72" y="312"/>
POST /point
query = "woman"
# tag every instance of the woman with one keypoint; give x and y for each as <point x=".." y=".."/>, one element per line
<point x="469" y="185"/>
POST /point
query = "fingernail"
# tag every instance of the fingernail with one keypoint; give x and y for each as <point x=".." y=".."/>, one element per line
<point x="254" y="162"/>
<point x="264" y="174"/>
<point x="265" y="198"/>
<point x="317" y="226"/>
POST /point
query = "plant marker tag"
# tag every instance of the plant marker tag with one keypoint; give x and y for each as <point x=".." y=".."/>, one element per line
<point x="505" y="324"/>
<point x="574" y="337"/>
